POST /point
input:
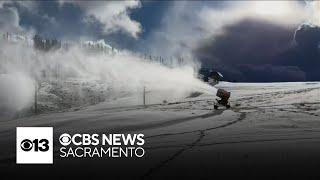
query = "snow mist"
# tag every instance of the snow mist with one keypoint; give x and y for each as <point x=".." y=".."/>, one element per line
<point x="76" y="77"/>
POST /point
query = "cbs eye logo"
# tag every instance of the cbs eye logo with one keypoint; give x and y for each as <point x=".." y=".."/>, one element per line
<point x="37" y="145"/>
<point x="34" y="145"/>
<point x="65" y="139"/>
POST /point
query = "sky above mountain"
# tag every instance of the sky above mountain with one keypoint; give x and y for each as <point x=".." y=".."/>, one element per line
<point x="245" y="40"/>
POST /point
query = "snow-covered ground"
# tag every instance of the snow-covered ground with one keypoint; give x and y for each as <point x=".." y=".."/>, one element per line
<point x="268" y="125"/>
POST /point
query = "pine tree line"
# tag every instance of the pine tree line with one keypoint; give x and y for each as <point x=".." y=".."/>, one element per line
<point x="46" y="44"/>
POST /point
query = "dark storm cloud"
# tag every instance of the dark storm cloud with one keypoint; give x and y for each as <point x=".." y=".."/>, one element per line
<point x="273" y="73"/>
<point x="306" y="53"/>
<point x="308" y="36"/>
<point x="253" y="50"/>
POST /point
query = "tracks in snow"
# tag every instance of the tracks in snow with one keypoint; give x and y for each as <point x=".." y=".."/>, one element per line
<point x="201" y="134"/>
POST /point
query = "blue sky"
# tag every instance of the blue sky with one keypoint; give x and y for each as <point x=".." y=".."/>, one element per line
<point x="150" y="15"/>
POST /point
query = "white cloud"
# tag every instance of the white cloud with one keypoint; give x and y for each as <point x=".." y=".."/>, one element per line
<point x="114" y="15"/>
<point x="286" y="13"/>
<point x="10" y="17"/>
<point x="32" y="6"/>
<point x="9" y="20"/>
<point x="314" y="9"/>
<point x="177" y="31"/>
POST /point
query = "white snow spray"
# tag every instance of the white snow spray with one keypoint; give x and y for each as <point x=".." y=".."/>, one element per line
<point x="75" y="75"/>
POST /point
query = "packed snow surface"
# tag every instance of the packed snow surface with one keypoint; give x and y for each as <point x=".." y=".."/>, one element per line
<point x="267" y="123"/>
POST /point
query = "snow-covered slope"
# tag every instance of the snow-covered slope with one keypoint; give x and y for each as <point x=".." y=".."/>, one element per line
<point x="271" y="122"/>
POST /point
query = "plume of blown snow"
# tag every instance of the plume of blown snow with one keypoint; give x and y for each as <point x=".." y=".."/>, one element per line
<point x="120" y="74"/>
<point x="16" y="91"/>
